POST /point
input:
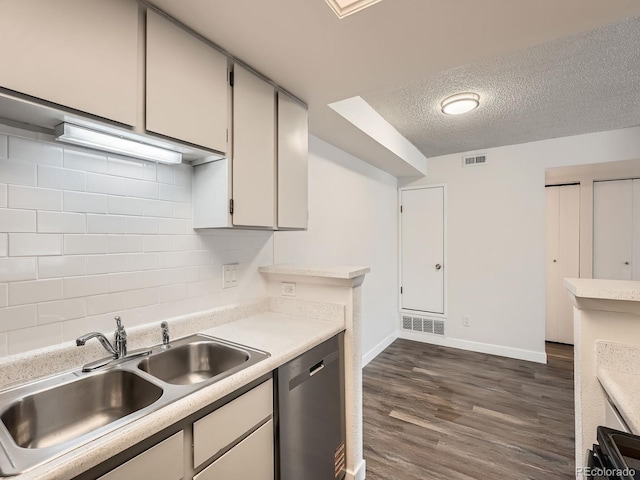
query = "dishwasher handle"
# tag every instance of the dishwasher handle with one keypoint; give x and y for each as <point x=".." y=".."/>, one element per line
<point x="316" y="368"/>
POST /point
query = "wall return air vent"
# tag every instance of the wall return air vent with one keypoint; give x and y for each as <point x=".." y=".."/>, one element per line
<point x="473" y="160"/>
<point x="424" y="325"/>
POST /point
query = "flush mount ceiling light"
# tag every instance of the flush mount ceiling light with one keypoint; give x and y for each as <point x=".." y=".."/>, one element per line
<point x="343" y="8"/>
<point x="460" y="103"/>
<point x="88" y="137"/>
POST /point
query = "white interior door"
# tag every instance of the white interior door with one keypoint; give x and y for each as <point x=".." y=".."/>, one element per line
<point x="552" y="253"/>
<point x="613" y="229"/>
<point x="635" y="275"/>
<point x="422" y="243"/>
<point x="568" y="257"/>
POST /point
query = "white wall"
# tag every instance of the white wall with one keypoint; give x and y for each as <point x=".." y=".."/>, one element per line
<point x="496" y="237"/>
<point x="85" y="236"/>
<point x="353" y="215"/>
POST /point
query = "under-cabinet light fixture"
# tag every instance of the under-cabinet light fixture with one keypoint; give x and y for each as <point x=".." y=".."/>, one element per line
<point x="343" y="8"/>
<point x="87" y="137"/>
<point x="460" y="103"/>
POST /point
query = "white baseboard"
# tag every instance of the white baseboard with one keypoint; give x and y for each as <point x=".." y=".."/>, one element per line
<point x="360" y="472"/>
<point x="378" y="349"/>
<point x="500" y="350"/>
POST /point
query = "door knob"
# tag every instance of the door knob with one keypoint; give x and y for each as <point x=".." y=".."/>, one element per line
<point x="438" y="266"/>
<point x="626" y="263"/>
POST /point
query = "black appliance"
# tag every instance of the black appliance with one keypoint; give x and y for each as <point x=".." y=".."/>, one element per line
<point x="616" y="456"/>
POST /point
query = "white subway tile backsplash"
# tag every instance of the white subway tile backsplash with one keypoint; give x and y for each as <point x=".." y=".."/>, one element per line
<point x="84" y="244"/>
<point x="141" y="189"/>
<point x="17" y="220"/>
<point x="97" y="183"/>
<point x="131" y="168"/>
<point x="173" y="259"/>
<point x="3" y="195"/>
<point x="18" y="173"/>
<point x="85" y="286"/>
<point x="210" y="272"/>
<point x="61" y="222"/>
<point x="34" y="198"/>
<point x="175" y="193"/>
<point x="124" y="206"/>
<point x="3" y="146"/>
<point x="4" y="244"/>
<point x="61" y="178"/>
<point x="172" y="293"/>
<point x="21" y="293"/>
<point x="166" y="174"/>
<point x="34" y="244"/>
<point x="84" y="202"/>
<point x="172" y="226"/>
<point x="17" y="269"/>
<point x="106" y="224"/>
<point x="59" y="311"/>
<point x="85" y="160"/>
<point x="106" y="264"/>
<point x="158" y="243"/>
<point x="35" y="152"/>
<point x="117" y="302"/>
<point x="72" y="329"/>
<point x="186" y="242"/>
<point x="142" y="225"/>
<point x="199" y="257"/>
<point x="184" y="175"/>
<point x="142" y="261"/>
<point x="182" y="210"/>
<point x="35" y="337"/>
<point x="62" y="266"/>
<point x="124" y="244"/>
<point x="4" y="298"/>
<point x="200" y="288"/>
<point x="158" y="208"/>
<point x="119" y="282"/>
<point x="13" y="318"/>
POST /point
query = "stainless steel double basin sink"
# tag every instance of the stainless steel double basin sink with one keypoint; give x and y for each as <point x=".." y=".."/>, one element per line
<point x="44" y="419"/>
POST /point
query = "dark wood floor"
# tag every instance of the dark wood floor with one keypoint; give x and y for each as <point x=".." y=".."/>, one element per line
<point x="439" y="413"/>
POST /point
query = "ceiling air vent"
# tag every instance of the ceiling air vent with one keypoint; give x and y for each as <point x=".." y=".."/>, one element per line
<point x="480" y="159"/>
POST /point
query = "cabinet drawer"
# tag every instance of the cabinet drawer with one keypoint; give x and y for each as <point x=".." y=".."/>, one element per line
<point x="250" y="459"/>
<point x="220" y="428"/>
<point x="163" y="461"/>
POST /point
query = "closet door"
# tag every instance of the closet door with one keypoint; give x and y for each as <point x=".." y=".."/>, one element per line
<point x="563" y="259"/>
<point x="613" y="228"/>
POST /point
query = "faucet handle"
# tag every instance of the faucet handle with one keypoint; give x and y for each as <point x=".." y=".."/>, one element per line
<point x="118" y="322"/>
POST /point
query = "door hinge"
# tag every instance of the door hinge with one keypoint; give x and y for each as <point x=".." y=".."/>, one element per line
<point x="227" y="135"/>
<point x="400" y="290"/>
<point x="231" y="206"/>
<point x="231" y="78"/>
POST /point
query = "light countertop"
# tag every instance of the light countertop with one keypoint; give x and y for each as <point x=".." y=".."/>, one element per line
<point x="284" y="336"/>
<point x="604" y="289"/>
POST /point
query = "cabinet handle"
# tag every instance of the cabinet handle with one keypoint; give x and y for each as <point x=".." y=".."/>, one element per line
<point x="554" y="260"/>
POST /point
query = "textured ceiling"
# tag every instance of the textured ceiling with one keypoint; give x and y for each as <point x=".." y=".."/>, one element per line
<point x="583" y="83"/>
<point x="303" y="46"/>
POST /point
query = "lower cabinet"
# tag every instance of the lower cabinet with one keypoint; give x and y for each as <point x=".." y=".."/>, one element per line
<point x="233" y="442"/>
<point x="161" y="462"/>
<point x="251" y="459"/>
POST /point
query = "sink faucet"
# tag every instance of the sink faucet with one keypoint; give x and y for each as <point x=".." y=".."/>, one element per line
<point x="165" y="334"/>
<point x="117" y="351"/>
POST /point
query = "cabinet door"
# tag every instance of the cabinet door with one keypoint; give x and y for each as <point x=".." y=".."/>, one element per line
<point x="254" y="161"/>
<point x="81" y="54"/>
<point x="164" y="461"/>
<point x="250" y="459"/>
<point x="187" y="88"/>
<point x="293" y="160"/>
<point x="612" y="229"/>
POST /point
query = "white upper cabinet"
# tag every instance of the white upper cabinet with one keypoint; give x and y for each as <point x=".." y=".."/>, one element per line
<point x="82" y="54"/>
<point x="187" y="87"/>
<point x="254" y="160"/>
<point x="293" y="161"/>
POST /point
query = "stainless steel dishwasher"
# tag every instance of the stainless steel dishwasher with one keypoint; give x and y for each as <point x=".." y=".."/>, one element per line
<point x="310" y="411"/>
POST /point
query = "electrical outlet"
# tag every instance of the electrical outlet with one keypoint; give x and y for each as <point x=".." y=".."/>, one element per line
<point x="288" y="289"/>
<point x="466" y="320"/>
<point x="230" y="275"/>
